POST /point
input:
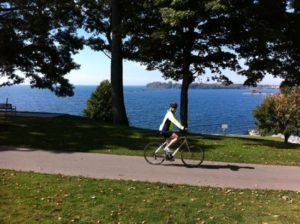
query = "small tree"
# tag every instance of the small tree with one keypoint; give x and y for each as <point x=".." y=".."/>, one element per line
<point x="279" y="113"/>
<point x="99" y="106"/>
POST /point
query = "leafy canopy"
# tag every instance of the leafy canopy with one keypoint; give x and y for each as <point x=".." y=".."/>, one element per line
<point x="37" y="40"/>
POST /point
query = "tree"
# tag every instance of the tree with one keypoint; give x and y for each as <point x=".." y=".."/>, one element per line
<point x="37" y="40"/>
<point x="191" y="37"/>
<point x="184" y="43"/>
<point x="99" y="106"/>
<point x="104" y="21"/>
<point x="290" y="48"/>
<point x="279" y="113"/>
<point x="119" y="111"/>
<point x="266" y="34"/>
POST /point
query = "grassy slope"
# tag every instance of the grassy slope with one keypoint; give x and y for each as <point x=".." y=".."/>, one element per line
<point x="69" y="133"/>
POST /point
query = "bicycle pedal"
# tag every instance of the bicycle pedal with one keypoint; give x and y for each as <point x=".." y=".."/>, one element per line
<point x="169" y="157"/>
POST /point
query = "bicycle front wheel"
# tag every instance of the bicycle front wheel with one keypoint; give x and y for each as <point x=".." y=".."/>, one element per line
<point x="192" y="156"/>
<point x="154" y="153"/>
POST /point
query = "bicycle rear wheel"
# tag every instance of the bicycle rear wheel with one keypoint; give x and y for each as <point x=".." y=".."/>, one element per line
<point x="154" y="153"/>
<point x="192" y="156"/>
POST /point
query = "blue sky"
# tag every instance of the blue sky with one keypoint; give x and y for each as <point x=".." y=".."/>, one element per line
<point x="95" y="67"/>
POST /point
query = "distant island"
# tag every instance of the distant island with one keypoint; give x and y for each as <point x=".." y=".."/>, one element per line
<point x="171" y="85"/>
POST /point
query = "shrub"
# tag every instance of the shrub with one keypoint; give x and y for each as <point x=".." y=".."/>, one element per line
<point x="279" y="113"/>
<point x="99" y="106"/>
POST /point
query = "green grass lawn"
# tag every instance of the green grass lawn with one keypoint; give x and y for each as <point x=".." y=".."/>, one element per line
<point x="70" y="133"/>
<point x="40" y="198"/>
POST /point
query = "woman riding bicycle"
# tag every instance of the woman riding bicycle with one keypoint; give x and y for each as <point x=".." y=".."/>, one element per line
<point x="166" y="127"/>
<point x="155" y="152"/>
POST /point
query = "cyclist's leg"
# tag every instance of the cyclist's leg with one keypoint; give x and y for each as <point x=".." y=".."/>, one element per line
<point x="168" y="135"/>
<point x="172" y="139"/>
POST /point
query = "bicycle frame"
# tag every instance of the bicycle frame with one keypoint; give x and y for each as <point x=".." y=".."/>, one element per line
<point x="184" y="141"/>
<point x="155" y="154"/>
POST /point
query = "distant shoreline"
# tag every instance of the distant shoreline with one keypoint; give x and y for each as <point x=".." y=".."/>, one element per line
<point x="171" y="85"/>
<point x="166" y="85"/>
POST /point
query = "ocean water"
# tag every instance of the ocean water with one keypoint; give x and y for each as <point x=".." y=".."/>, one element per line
<point x="208" y="108"/>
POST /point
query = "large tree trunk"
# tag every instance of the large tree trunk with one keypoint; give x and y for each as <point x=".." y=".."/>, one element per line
<point x="184" y="98"/>
<point x="118" y="106"/>
<point x="286" y="138"/>
<point x="187" y="78"/>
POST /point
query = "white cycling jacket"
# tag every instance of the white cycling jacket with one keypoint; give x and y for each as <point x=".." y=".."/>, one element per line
<point x="168" y="120"/>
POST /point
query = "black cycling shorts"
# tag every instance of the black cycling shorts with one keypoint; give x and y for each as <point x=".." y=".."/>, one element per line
<point x="166" y="134"/>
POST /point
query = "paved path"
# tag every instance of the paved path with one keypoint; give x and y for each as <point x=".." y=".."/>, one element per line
<point x="135" y="168"/>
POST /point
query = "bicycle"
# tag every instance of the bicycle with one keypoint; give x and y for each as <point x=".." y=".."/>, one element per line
<point x="155" y="154"/>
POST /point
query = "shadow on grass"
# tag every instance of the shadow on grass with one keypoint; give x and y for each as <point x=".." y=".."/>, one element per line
<point x="69" y="134"/>
<point x="78" y="134"/>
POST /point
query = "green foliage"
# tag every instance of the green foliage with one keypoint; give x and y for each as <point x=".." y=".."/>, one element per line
<point x="173" y="17"/>
<point x="37" y="40"/>
<point x="279" y="113"/>
<point x="215" y="5"/>
<point x="99" y="106"/>
<point x="264" y="115"/>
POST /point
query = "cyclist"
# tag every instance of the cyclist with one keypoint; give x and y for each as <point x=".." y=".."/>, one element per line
<point x="166" y="127"/>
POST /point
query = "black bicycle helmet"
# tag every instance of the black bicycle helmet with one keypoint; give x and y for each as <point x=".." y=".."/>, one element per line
<point x="173" y="105"/>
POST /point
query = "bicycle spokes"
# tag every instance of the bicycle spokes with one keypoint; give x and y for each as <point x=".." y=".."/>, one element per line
<point x="192" y="156"/>
<point x="154" y="153"/>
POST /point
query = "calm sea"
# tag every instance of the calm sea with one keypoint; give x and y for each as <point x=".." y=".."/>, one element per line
<point x="208" y="108"/>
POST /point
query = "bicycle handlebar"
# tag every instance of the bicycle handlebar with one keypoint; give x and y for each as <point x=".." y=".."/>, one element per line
<point x="184" y="132"/>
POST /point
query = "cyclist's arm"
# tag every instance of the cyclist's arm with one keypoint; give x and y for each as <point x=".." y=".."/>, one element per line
<point x="163" y="123"/>
<point x="173" y="119"/>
